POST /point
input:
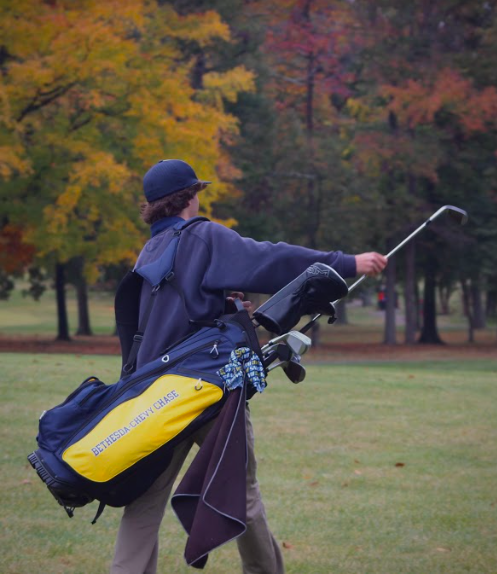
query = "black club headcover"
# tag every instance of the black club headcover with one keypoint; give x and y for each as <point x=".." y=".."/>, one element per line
<point x="309" y="293"/>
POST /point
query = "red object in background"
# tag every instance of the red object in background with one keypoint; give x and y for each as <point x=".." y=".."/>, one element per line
<point x="381" y="299"/>
<point x="15" y="255"/>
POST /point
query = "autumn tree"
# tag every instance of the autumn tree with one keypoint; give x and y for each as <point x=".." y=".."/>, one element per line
<point x="92" y="95"/>
<point x="308" y="192"/>
<point x="417" y="111"/>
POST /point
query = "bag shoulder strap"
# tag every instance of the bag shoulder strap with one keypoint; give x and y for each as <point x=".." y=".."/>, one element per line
<point x="159" y="269"/>
<point x="127" y="311"/>
<point x="157" y="273"/>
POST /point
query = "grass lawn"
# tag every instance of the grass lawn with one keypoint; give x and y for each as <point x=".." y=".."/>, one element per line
<point x="21" y="315"/>
<point x="388" y="468"/>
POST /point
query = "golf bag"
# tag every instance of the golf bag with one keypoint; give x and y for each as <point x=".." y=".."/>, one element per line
<point x="110" y="442"/>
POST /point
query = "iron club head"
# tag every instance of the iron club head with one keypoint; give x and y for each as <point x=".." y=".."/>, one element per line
<point x="298" y="342"/>
<point x="457" y="214"/>
<point x="294" y="371"/>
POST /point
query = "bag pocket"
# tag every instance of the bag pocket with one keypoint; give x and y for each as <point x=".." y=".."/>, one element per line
<point x="56" y="423"/>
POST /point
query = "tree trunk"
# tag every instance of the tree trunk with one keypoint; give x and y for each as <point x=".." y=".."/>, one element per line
<point x="83" y="311"/>
<point x="479" y="321"/>
<point x="60" y="293"/>
<point x="444" y="296"/>
<point x="429" y="332"/>
<point x="341" y="309"/>
<point x="491" y="305"/>
<point x="390" y="337"/>
<point x="366" y="297"/>
<point x="418" y="306"/>
<point x="409" y="294"/>
<point x="316" y="335"/>
<point x="466" y="294"/>
<point x="198" y="72"/>
<point x="75" y="276"/>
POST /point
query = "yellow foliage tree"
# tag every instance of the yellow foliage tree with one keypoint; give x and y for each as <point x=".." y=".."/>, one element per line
<point x="91" y="95"/>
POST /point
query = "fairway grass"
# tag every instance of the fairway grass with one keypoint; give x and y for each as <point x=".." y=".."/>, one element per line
<point x="21" y="315"/>
<point x="364" y="469"/>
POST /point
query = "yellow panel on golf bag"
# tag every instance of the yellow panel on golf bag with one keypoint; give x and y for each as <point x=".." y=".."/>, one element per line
<point x="136" y="428"/>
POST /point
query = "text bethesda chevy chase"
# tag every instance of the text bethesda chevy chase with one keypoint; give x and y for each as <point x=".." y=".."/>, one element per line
<point x="116" y="435"/>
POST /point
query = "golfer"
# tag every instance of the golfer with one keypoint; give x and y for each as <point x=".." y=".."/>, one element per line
<point x="212" y="263"/>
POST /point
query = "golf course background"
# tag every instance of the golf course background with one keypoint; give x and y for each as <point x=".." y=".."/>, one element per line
<point x="375" y="464"/>
<point x="324" y="124"/>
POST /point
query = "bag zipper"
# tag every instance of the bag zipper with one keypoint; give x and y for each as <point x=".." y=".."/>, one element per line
<point x="90" y="394"/>
<point x="77" y="390"/>
<point x="132" y="383"/>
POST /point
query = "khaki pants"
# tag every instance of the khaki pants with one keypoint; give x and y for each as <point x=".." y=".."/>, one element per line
<point x="137" y="541"/>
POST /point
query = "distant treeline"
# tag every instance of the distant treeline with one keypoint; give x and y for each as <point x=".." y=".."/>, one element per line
<point x="331" y="124"/>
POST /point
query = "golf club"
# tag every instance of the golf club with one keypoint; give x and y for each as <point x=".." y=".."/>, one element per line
<point x="294" y="370"/>
<point x="459" y="215"/>
<point x="280" y="352"/>
<point x="284" y="347"/>
<point x="296" y="341"/>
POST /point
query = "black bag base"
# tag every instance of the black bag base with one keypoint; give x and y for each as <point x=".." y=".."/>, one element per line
<point x="63" y="494"/>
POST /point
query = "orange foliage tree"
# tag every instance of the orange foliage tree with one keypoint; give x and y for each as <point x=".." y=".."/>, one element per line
<point x="422" y="113"/>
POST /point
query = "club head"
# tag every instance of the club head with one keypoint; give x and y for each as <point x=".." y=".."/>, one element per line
<point x="294" y="371"/>
<point x="296" y="341"/>
<point x="457" y="214"/>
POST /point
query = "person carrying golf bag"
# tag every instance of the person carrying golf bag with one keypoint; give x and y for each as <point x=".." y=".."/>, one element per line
<point x="213" y="263"/>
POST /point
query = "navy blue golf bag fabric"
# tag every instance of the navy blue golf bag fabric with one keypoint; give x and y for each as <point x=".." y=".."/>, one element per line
<point x="127" y="310"/>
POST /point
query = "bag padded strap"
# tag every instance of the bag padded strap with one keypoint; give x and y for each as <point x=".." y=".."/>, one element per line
<point x="159" y="269"/>
<point x="127" y="308"/>
<point x="157" y="273"/>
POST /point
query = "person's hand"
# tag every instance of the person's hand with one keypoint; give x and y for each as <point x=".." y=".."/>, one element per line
<point x="370" y="264"/>
<point x="239" y="295"/>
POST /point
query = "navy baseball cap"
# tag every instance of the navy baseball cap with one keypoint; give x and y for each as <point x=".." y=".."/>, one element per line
<point x="167" y="177"/>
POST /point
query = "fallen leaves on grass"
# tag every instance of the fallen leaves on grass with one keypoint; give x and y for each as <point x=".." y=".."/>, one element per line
<point x="288" y="546"/>
<point x="442" y="549"/>
<point x="400" y="464"/>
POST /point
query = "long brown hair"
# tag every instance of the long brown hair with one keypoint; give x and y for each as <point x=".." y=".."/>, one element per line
<point x="170" y="204"/>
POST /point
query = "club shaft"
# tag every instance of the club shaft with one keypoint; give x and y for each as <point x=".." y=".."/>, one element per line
<point x="394" y="250"/>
